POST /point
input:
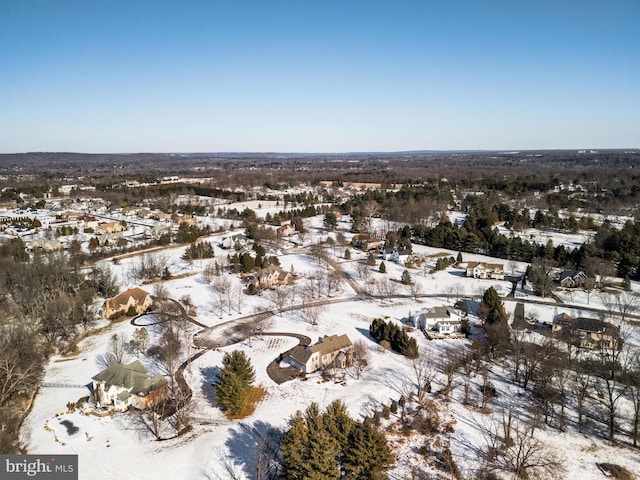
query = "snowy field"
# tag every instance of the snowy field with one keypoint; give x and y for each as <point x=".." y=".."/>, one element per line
<point x="120" y="446"/>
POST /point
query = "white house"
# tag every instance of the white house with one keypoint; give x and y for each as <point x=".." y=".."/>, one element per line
<point x="330" y="351"/>
<point x="395" y="255"/>
<point x="494" y="271"/>
<point x="233" y="241"/>
<point x="444" y="320"/>
<point x="121" y="386"/>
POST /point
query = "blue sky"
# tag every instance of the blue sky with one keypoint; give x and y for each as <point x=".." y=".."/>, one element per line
<point x="318" y="76"/>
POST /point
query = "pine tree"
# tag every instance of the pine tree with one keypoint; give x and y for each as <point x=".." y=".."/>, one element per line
<point x="322" y="449"/>
<point x="405" y="279"/>
<point x="231" y="393"/>
<point x="236" y="378"/>
<point x="367" y="455"/>
<point x="331" y="445"/>
<point x="383" y="267"/>
<point x="338" y="424"/>
<point x="491" y="307"/>
<point x="238" y="362"/>
<point x="293" y="449"/>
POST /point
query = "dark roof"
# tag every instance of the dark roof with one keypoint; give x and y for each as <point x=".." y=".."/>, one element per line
<point x="593" y="325"/>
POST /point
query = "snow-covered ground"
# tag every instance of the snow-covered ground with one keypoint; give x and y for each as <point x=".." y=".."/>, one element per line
<point x="120" y="446"/>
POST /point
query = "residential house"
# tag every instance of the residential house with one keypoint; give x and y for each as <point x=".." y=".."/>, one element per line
<point x="589" y="333"/>
<point x="157" y="231"/>
<point x="561" y="321"/>
<point x="111" y="227"/>
<point x="179" y="220"/>
<point x="86" y="221"/>
<point x="366" y="241"/>
<point x="331" y="351"/>
<point x="134" y="299"/>
<point x="123" y="386"/>
<point x="395" y="254"/>
<point x="234" y="241"/>
<point x="572" y="278"/>
<point x="107" y="239"/>
<point x="494" y="271"/>
<point x="443" y="320"/>
<point x="47" y="245"/>
<point x="271" y="276"/>
<point x="285" y="230"/>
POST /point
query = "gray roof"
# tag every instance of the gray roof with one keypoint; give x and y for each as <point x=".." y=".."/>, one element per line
<point x="437" y="312"/>
<point x="134" y="377"/>
<point x="300" y="354"/>
<point x="327" y="344"/>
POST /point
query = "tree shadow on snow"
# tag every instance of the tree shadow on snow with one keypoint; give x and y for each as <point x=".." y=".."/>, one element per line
<point x="245" y="446"/>
<point x="210" y="376"/>
<point x="365" y="333"/>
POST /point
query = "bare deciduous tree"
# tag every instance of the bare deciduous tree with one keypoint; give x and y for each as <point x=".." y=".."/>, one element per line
<point x="611" y="368"/>
<point x="239" y="298"/>
<point x="209" y="272"/>
<point x="15" y="379"/>
<point x="312" y="313"/>
<point x="267" y="453"/>
<point x="181" y="408"/>
<point x="360" y="357"/>
<point x="414" y="289"/>
<point x="512" y="446"/>
<point x="278" y="297"/>
<point x="451" y="361"/>
<point x="262" y="322"/>
<point x="169" y="353"/>
<point x="364" y="271"/>
<point x="424" y="372"/>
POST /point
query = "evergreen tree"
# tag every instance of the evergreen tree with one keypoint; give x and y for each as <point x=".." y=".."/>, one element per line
<point x="330" y="221"/>
<point x="367" y="456"/>
<point x="238" y="362"/>
<point x="247" y="263"/>
<point x="405" y="279"/>
<point x="293" y="449"/>
<point x="331" y="445"/>
<point x="231" y="393"/>
<point x="236" y="378"/>
<point x="371" y="259"/>
<point x="338" y="424"/>
<point x="383" y="267"/>
<point x="491" y="307"/>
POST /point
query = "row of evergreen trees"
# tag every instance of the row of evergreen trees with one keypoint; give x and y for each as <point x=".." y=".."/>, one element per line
<point x="398" y="339"/>
<point x="236" y="379"/>
<point x="199" y="250"/>
<point x="332" y="445"/>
